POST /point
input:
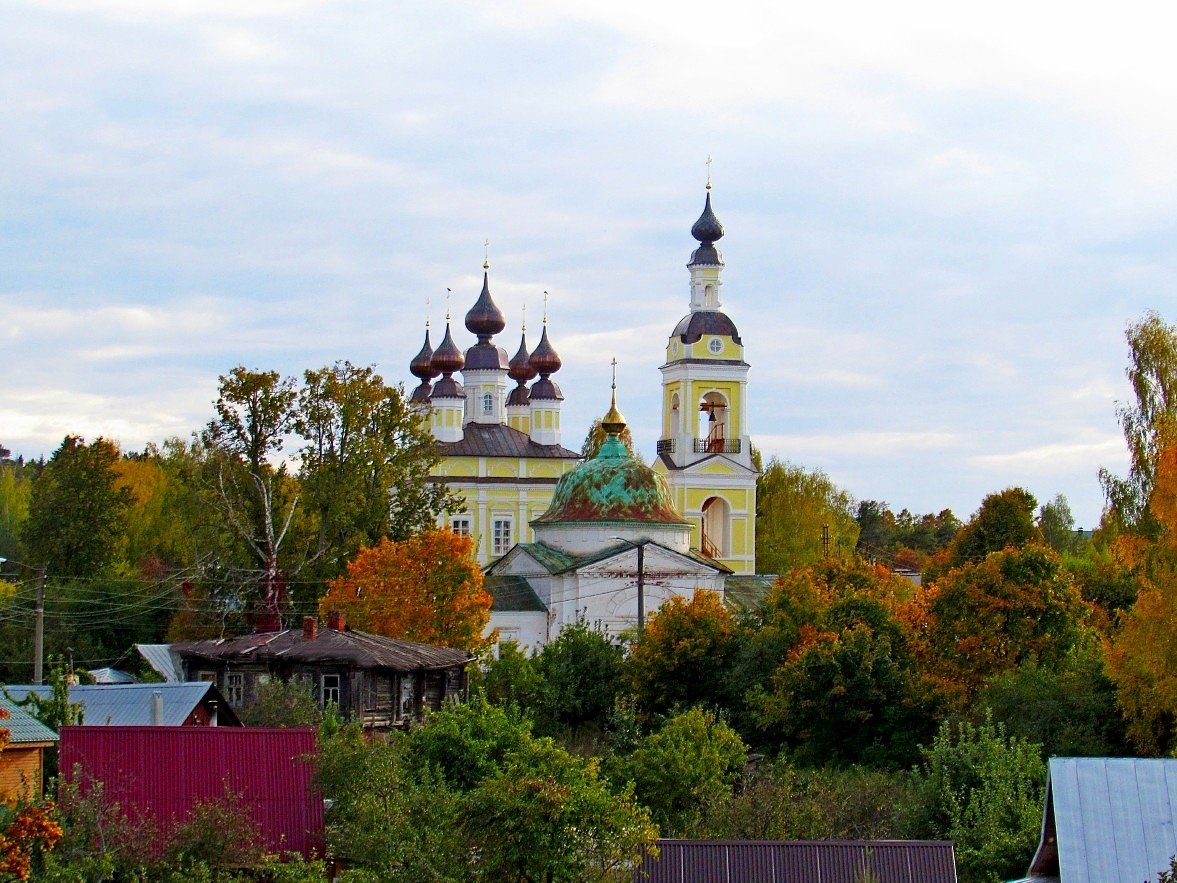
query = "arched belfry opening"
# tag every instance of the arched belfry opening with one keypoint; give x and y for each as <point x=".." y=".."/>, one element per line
<point x="713" y="424"/>
<point x="716" y="539"/>
<point x="675" y="416"/>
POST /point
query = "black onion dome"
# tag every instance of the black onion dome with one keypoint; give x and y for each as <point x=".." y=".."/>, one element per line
<point x="520" y="369"/>
<point x="485" y="319"/>
<point x="545" y="360"/>
<point x="707" y="229"/>
<point x="447" y="358"/>
<point x="422" y="366"/>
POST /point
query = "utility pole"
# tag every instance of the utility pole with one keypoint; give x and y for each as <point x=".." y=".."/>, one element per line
<point x="39" y="630"/>
<point x="640" y="545"/>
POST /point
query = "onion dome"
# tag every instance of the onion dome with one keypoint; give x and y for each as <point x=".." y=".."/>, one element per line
<point x="692" y="326"/>
<point x="485" y="319"/>
<point x="545" y="360"/>
<point x="520" y="371"/>
<point x="614" y="486"/>
<point x="707" y="230"/>
<point x="422" y="366"/>
<point x="447" y="358"/>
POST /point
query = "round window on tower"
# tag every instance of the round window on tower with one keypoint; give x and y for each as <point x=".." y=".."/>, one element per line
<point x="716" y="345"/>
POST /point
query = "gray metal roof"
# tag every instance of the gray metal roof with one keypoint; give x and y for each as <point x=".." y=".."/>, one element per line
<point x="513" y="594"/>
<point x="799" y="861"/>
<point x="1108" y="820"/>
<point x="165" y="662"/>
<point x="128" y="704"/>
<point x="22" y="727"/>
<point x="499" y="440"/>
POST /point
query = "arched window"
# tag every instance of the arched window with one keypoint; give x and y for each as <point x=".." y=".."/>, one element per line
<point x="713" y="422"/>
<point x="716" y="539"/>
<point x="488" y="404"/>
<point x="675" y="416"/>
<point x="708" y="296"/>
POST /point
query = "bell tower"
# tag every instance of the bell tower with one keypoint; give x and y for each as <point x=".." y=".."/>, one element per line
<point x="704" y="450"/>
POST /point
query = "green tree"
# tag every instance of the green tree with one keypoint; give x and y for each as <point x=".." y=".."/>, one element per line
<point x="1005" y="520"/>
<point x="1149" y="423"/>
<point x="581" y="674"/>
<point x="76" y="525"/>
<point x="1057" y="525"/>
<point x="793" y="507"/>
<point x="16" y="493"/>
<point x="509" y="678"/>
<point x="549" y="816"/>
<point x="466" y="742"/>
<point x="683" y="656"/>
<point x="364" y="463"/>
<point x="983" y="790"/>
<point x="685" y="768"/>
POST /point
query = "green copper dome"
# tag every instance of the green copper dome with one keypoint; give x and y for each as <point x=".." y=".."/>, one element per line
<point x="614" y="486"/>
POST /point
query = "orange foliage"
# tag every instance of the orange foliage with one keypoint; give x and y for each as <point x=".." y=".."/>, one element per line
<point x="427" y="588"/>
<point x="33" y="829"/>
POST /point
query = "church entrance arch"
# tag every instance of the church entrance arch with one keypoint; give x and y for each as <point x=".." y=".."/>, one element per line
<point x="716" y="539"/>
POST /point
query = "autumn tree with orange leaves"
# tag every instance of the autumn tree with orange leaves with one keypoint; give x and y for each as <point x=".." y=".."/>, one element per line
<point x="427" y="588"/>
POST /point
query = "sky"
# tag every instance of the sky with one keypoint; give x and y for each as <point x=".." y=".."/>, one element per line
<point x="940" y="218"/>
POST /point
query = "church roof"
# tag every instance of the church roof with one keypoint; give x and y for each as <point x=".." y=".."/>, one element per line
<point x="556" y="562"/>
<point x="693" y="326"/>
<point x="512" y="594"/>
<point x="499" y="440"/>
<point x="614" y="487"/>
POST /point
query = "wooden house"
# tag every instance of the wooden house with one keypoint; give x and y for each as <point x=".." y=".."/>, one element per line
<point x="383" y="682"/>
<point x="22" y="762"/>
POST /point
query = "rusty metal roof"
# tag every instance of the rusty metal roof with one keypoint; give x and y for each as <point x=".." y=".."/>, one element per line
<point x="357" y="649"/>
<point x="799" y="861"/>
<point x="499" y="440"/>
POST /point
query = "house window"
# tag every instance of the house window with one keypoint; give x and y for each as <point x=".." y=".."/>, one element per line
<point x="460" y="526"/>
<point x="488" y="404"/>
<point x="502" y="536"/>
<point x="235" y="688"/>
<point x="329" y="689"/>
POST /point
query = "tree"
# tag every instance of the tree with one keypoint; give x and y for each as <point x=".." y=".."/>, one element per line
<point x="989" y="617"/>
<point x="255" y="413"/>
<point x="16" y="491"/>
<point x="1057" y="525"/>
<point x="1005" y="520"/>
<point x="581" y="673"/>
<point x="1149" y="424"/>
<point x="685" y="768"/>
<point x="983" y="790"/>
<point x="549" y="816"/>
<point x="427" y="588"/>
<point x="76" y="525"/>
<point x="793" y="507"/>
<point x="364" y="463"/>
<point x="682" y="657"/>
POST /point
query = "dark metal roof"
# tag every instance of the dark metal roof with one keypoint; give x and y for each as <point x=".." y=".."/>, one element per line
<point x="513" y="594"/>
<point x="748" y="591"/>
<point x="556" y="562"/>
<point x="486" y="356"/>
<point x="499" y="440"/>
<point x="775" y="861"/>
<point x="447" y="358"/>
<point x="421" y="366"/>
<point x="545" y="389"/>
<point x="1108" y="819"/>
<point x="485" y="318"/>
<point x="693" y="326"/>
<point x="352" y="648"/>
<point x="447" y="388"/>
<point x="162" y="772"/>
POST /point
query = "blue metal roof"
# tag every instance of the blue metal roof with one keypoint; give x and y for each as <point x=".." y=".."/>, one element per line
<point x="165" y="662"/>
<point x="22" y="727"/>
<point x="127" y="705"/>
<point x="1108" y="820"/>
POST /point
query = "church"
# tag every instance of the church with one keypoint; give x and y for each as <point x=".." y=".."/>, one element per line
<point x="606" y="540"/>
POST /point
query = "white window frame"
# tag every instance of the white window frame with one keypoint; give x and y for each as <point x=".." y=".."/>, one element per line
<point x="460" y="524"/>
<point x="501" y="532"/>
<point x="488" y="404"/>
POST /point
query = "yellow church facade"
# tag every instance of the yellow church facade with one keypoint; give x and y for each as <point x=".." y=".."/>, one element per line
<point x="501" y="449"/>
